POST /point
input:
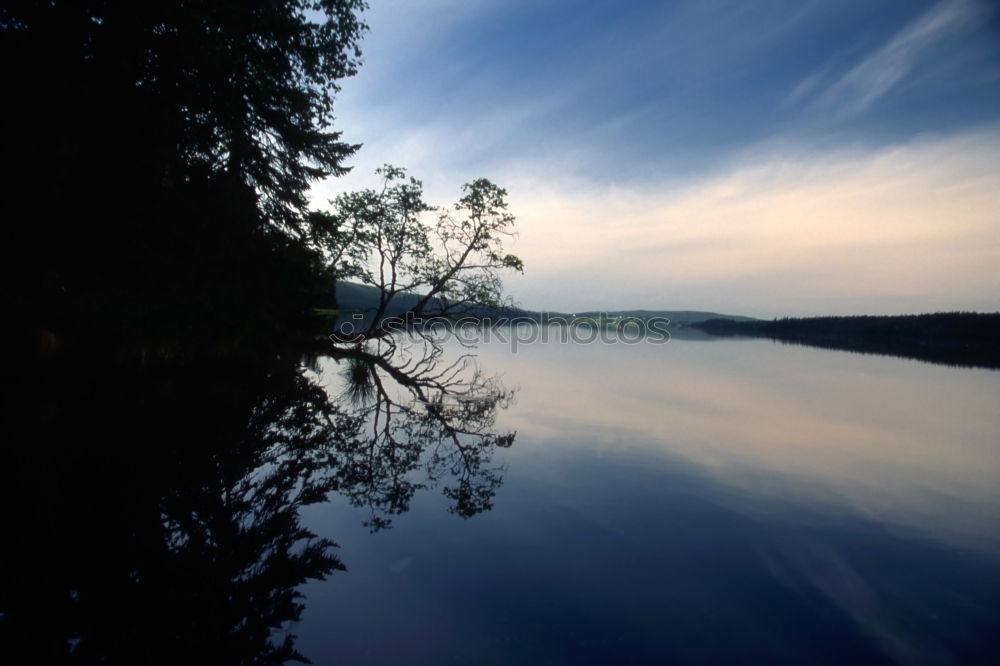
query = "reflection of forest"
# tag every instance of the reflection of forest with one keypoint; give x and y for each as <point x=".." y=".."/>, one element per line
<point x="153" y="513"/>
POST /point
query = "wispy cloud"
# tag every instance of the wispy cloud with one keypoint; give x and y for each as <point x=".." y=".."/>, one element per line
<point x="876" y="75"/>
<point x="911" y="227"/>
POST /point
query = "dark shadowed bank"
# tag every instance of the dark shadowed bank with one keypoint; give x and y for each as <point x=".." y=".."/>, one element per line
<point x="955" y="338"/>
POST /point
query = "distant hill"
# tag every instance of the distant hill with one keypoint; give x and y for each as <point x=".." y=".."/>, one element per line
<point x="958" y="338"/>
<point x="361" y="297"/>
<point x="355" y="297"/>
<point x="676" y="317"/>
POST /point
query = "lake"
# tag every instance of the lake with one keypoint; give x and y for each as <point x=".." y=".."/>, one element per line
<point x="699" y="502"/>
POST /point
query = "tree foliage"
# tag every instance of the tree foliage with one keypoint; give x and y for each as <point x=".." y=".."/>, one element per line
<point x="456" y="262"/>
<point x="163" y="152"/>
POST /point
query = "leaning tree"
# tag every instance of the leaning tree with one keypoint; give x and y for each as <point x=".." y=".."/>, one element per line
<point x="443" y="262"/>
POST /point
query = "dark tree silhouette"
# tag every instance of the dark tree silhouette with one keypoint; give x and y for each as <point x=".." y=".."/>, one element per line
<point x="162" y="154"/>
<point x="954" y="338"/>
<point x="161" y="257"/>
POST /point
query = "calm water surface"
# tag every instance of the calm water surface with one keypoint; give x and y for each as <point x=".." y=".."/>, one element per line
<point x="732" y="501"/>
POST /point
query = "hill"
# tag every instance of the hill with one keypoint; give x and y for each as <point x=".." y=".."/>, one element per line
<point x="354" y="297"/>
<point x="676" y="317"/>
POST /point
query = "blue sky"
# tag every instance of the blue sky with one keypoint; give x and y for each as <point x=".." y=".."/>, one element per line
<point x="768" y="157"/>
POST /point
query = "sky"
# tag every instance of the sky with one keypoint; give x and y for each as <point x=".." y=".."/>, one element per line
<point x="767" y="158"/>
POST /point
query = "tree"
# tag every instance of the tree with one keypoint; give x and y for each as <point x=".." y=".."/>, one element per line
<point x="163" y="151"/>
<point x="455" y="264"/>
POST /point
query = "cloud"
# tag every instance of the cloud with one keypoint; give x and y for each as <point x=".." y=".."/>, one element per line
<point x="623" y="145"/>
<point x="876" y="75"/>
<point x="913" y="227"/>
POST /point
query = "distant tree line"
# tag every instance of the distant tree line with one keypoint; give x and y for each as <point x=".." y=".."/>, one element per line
<point x="959" y="338"/>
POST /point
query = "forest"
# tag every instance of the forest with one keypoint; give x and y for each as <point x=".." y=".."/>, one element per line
<point x="957" y="338"/>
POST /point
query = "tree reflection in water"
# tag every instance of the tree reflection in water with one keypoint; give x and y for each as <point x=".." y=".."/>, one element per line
<point x="420" y="414"/>
<point x="152" y="513"/>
